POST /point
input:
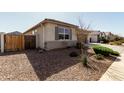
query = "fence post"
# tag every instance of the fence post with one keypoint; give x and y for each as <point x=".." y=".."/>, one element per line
<point x="2" y="42"/>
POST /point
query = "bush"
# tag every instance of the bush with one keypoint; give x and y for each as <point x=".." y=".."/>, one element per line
<point x="99" y="56"/>
<point x="104" y="50"/>
<point x="73" y="54"/>
<point x="115" y="53"/>
<point x="105" y="41"/>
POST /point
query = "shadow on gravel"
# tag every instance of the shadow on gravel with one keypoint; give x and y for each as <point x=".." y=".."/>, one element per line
<point x="51" y="62"/>
<point x="11" y="53"/>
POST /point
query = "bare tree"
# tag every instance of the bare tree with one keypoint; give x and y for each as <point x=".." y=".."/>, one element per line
<point x="82" y="34"/>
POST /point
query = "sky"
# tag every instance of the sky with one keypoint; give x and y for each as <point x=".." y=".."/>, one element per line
<point x="103" y="21"/>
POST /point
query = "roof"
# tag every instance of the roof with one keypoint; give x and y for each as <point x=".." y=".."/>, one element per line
<point x="2" y="32"/>
<point x="95" y="32"/>
<point x="90" y="31"/>
<point x="106" y="33"/>
<point x="14" y="33"/>
<point x="52" y="21"/>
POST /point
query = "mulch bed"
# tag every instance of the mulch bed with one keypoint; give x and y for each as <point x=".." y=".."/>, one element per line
<point x="50" y="65"/>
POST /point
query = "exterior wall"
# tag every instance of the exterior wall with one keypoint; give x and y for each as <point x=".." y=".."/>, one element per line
<point x="59" y="44"/>
<point x="28" y="33"/>
<point x="49" y="41"/>
<point x="112" y="37"/>
<point x="74" y="36"/>
<point x="50" y="32"/>
<point x="94" y="38"/>
<point x="39" y="37"/>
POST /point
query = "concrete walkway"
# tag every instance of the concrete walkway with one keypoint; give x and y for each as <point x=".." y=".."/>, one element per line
<point x="116" y="71"/>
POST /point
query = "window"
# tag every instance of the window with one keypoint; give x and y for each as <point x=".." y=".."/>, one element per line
<point x="63" y="33"/>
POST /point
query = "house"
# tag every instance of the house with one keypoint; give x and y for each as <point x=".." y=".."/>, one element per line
<point x="107" y="35"/>
<point x="14" y="33"/>
<point x="52" y="34"/>
<point x="93" y="37"/>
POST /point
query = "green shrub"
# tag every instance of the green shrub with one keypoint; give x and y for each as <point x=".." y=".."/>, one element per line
<point x="99" y="56"/>
<point x="115" y="53"/>
<point x="105" y="41"/>
<point x="73" y="54"/>
<point x="104" y="50"/>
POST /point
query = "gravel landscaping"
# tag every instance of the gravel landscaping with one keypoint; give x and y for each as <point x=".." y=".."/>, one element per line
<point x="50" y="65"/>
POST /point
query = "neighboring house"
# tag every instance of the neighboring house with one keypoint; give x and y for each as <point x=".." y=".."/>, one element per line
<point x="107" y="35"/>
<point x="14" y="33"/>
<point x="51" y="34"/>
<point x="93" y="37"/>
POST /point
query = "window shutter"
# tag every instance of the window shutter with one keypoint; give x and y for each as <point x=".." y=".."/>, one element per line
<point x="70" y="34"/>
<point x="56" y="33"/>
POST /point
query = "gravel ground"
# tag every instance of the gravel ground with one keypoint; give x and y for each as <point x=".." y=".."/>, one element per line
<point x="52" y="65"/>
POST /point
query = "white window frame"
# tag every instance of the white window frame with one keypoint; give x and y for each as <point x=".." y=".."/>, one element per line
<point x="64" y="33"/>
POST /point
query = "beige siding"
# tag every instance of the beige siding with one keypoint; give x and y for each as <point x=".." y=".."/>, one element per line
<point x="39" y="37"/>
<point x="51" y="43"/>
<point x="94" y="39"/>
<point x="50" y="32"/>
<point x="59" y="44"/>
<point x="74" y="36"/>
<point x="28" y="33"/>
<point x="49" y="37"/>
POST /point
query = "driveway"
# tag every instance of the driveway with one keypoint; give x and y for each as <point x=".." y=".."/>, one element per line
<point x="116" y="71"/>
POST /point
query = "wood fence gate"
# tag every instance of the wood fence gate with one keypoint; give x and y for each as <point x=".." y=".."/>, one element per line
<point x="30" y="41"/>
<point x="14" y="42"/>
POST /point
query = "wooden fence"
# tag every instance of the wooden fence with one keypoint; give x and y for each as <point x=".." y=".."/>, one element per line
<point x="19" y="42"/>
<point x="30" y="41"/>
<point x="14" y="42"/>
